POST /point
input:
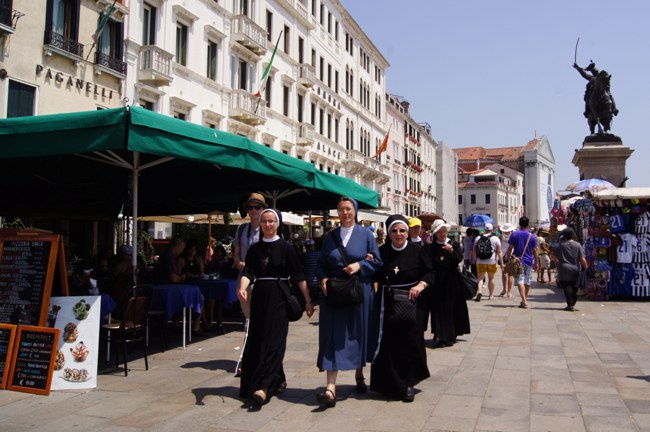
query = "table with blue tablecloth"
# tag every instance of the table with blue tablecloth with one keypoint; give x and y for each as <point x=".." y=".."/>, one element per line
<point x="174" y="298"/>
<point x="223" y="291"/>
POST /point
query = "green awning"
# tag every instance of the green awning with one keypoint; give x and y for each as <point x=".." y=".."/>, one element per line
<point x="83" y="163"/>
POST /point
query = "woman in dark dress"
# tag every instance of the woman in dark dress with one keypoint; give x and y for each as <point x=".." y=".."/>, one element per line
<point x="401" y="361"/>
<point x="269" y="264"/>
<point x="449" y="315"/>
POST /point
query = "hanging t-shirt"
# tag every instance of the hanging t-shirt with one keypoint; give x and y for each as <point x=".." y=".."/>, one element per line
<point x="641" y="250"/>
<point x="617" y="223"/>
<point x="641" y="281"/>
<point x="642" y="224"/>
<point x="625" y="251"/>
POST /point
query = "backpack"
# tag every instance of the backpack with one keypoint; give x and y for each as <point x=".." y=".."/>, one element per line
<point x="484" y="248"/>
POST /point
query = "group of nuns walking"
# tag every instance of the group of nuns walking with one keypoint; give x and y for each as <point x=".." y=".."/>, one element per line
<point x="402" y="283"/>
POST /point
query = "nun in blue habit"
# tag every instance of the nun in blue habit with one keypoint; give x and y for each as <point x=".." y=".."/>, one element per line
<point x="347" y="334"/>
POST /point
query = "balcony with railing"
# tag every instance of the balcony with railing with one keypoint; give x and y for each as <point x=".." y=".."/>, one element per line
<point x="369" y="168"/>
<point x="8" y="18"/>
<point x="110" y="64"/>
<point x="305" y="134"/>
<point x="55" y="42"/>
<point x="155" y="66"/>
<point x="307" y="76"/>
<point x="249" y="34"/>
<point x="247" y="108"/>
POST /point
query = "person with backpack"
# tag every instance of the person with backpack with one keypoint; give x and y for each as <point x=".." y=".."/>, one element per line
<point x="489" y="258"/>
<point x="523" y="247"/>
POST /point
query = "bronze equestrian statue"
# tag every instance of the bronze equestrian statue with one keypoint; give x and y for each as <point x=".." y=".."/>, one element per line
<point x="600" y="107"/>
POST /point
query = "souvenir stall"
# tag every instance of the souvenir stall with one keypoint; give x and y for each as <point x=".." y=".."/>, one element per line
<point x="614" y="227"/>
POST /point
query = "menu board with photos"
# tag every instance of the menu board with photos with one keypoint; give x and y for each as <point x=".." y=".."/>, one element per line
<point x="33" y="359"/>
<point x="7" y="335"/>
<point x="27" y="267"/>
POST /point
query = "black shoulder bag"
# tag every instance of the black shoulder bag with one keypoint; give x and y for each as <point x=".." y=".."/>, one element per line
<point x="345" y="291"/>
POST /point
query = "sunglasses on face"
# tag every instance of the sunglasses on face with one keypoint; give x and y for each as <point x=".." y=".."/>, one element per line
<point x="395" y="231"/>
<point x="256" y="207"/>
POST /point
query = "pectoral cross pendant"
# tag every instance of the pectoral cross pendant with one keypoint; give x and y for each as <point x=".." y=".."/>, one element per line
<point x="396" y="269"/>
<point x="265" y="260"/>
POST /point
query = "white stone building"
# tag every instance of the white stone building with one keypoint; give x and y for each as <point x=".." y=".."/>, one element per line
<point x="447" y="184"/>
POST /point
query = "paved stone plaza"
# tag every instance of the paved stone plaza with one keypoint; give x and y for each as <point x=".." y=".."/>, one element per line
<point x="541" y="369"/>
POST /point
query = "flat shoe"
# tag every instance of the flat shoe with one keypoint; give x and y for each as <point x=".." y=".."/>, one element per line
<point x="523" y="306"/>
<point x="361" y="386"/>
<point x="409" y="395"/>
<point x="259" y="397"/>
<point x="327" y="398"/>
<point x="478" y="297"/>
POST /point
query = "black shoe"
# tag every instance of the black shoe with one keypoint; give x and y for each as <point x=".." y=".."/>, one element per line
<point x="478" y="297"/>
<point x="259" y="397"/>
<point x="441" y="344"/>
<point x="327" y="398"/>
<point x="409" y="395"/>
<point x="361" y="386"/>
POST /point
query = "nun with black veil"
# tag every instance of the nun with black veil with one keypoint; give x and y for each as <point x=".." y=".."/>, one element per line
<point x="270" y="263"/>
<point x="406" y="275"/>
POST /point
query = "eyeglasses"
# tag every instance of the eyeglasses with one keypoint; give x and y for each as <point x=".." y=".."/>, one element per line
<point x="395" y="231"/>
<point x="257" y="207"/>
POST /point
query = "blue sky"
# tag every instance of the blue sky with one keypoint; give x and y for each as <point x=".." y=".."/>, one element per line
<point x="496" y="73"/>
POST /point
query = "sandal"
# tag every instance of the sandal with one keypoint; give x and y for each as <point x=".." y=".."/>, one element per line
<point x="327" y="398"/>
<point x="361" y="385"/>
<point x="523" y="305"/>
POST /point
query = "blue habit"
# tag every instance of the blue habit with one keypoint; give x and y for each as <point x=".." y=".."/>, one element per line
<point x="348" y="334"/>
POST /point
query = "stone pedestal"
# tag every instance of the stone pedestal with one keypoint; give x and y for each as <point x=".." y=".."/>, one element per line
<point x="602" y="159"/>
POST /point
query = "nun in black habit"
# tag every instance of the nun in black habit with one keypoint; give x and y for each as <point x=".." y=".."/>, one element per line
<point x="400" y="362"/>
<point x="269" y="264"/>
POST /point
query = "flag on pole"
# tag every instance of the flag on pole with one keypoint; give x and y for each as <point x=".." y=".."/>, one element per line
<point x="384" y="145"/>
<point x="267" y="70"/>
<point x="102" y="23"/>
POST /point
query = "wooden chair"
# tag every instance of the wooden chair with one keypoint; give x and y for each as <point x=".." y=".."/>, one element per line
<point x="132" y="327"/>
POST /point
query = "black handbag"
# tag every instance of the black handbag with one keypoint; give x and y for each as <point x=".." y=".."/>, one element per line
<point x="294" y="308"/>
<point x="345" y="291"/>
<point x="468" y="283"/>
<point x="400" y="310"/>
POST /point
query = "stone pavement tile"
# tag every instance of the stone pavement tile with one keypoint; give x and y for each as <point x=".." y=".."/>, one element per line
<point x="449" y="424"/>
<point x="462" y="407"/>
<point x="546" y="386"/>
<point x="600" y="400"/>
<point x="510" y="377"/>
<point x="588" y="377"/>
<point x="503" y="420"/>
<point x="512" y="363"/>
<point x="595" y="387"/>
<point x="596" y="423"/>
<point x="624" y="372"/>
<point x="638" y="406"/>
<point x="546" y="350"/>
<point x="507" y="397"/>
<point x="512" y="350"/>
<point x="556" y="423"/>
<point x="397" y="416"/>
<point x="467" y="387"/>
<point x="559" y="373"/>
<point x="554" y="404"/>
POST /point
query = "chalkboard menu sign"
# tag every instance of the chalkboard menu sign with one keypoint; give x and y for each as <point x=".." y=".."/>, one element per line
<point x="33" y="359"/>
<point x="7" y="335"/>
<point x="27" y="264"/>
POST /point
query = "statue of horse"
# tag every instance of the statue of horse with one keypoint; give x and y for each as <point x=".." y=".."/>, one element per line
<point x="602" y="107"/>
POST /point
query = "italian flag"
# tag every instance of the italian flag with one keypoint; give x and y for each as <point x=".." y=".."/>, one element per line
<point x="267" y="71"/>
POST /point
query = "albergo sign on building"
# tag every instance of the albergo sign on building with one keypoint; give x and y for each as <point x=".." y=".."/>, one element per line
<point x="72" y="82"/>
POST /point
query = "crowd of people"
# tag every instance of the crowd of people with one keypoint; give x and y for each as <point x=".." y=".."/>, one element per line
<point x="377" y="291"/>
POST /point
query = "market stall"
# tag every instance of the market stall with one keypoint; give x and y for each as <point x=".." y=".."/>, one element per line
<point x="614" y="227"/>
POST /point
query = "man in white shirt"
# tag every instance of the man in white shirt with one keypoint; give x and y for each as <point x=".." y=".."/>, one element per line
<point x="489" y="258"/>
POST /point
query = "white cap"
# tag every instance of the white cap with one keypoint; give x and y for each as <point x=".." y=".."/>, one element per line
<point x="488" y="227"/>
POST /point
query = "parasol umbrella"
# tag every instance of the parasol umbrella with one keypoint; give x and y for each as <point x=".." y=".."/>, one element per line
<point x="590" y="185"/>
<point x="427" y="219"/>
<point x="477" y="220"/>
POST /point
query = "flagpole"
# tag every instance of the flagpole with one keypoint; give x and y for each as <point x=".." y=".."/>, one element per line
<point x="384" y="145"/>
<point x="266" y="72"/>
<point x="100" y="28"/>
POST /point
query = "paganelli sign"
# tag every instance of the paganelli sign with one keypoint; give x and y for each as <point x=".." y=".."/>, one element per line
<point x="71" y="82"/>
